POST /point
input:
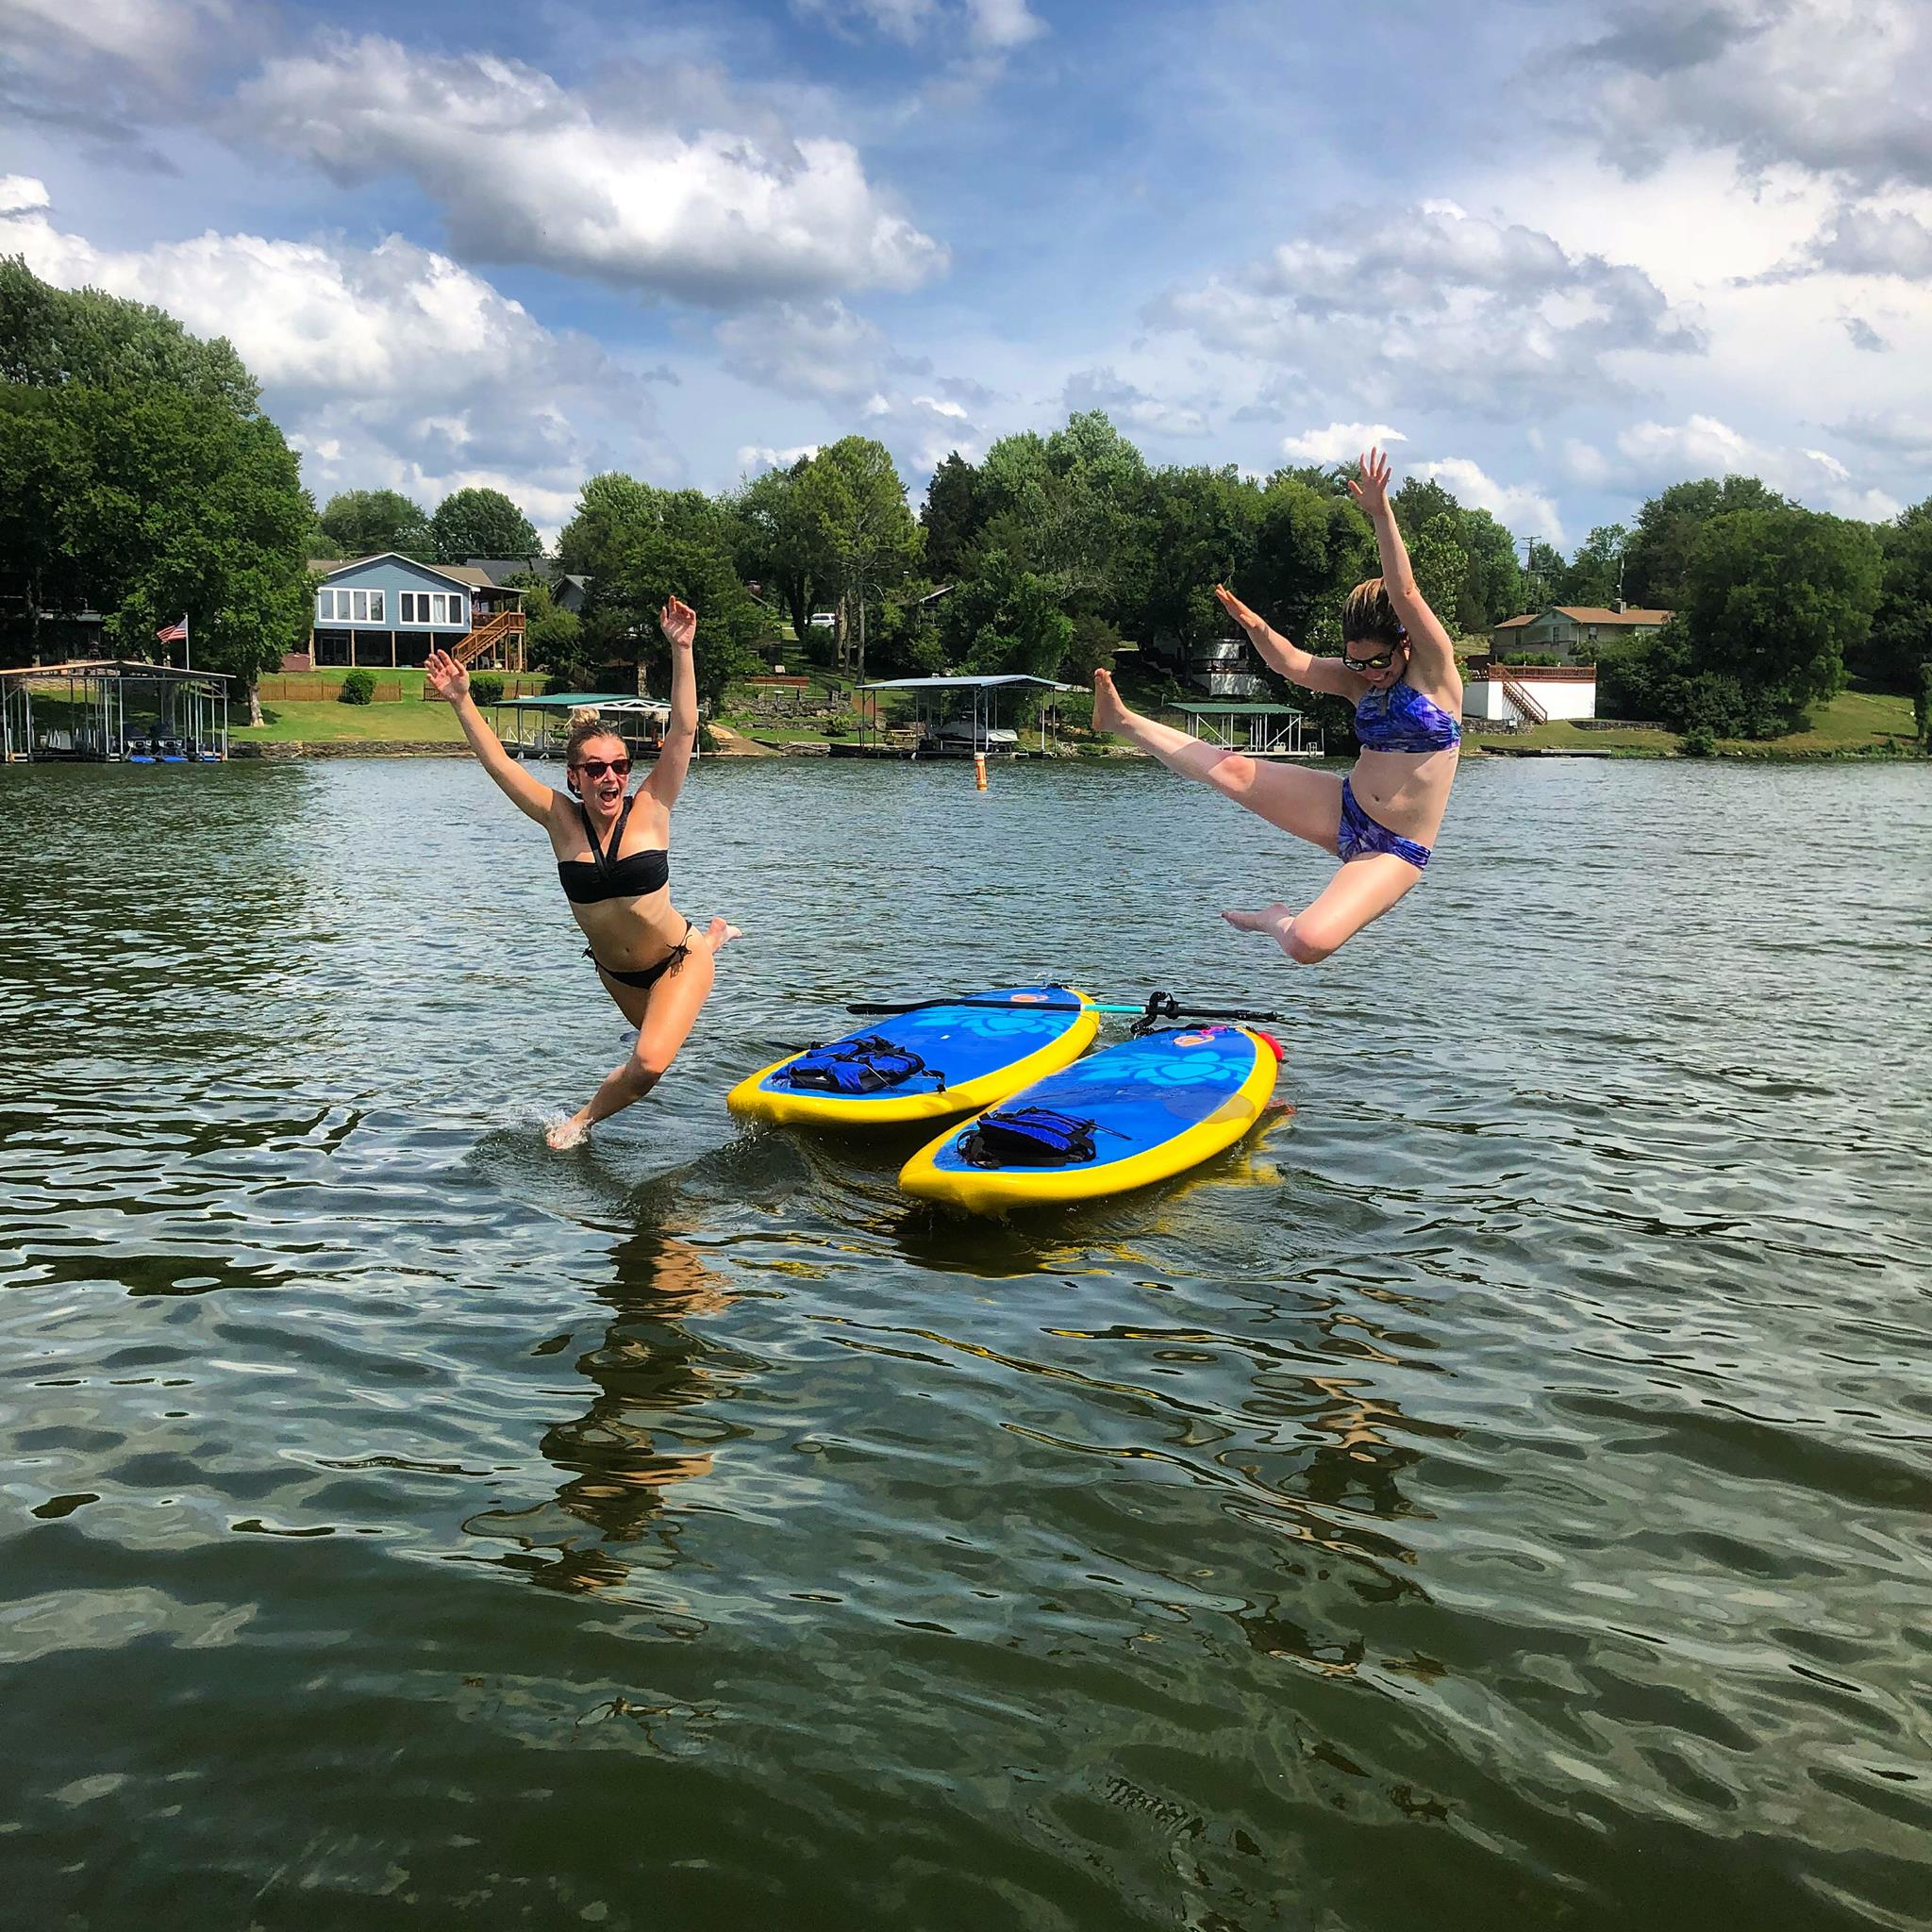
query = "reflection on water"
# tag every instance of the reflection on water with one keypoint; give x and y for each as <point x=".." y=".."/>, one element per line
<point x="1494" y="1494"/>
<point x="645" y="1429"/>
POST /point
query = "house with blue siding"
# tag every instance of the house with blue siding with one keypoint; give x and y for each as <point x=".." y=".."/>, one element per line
<point x="390" y="611"/>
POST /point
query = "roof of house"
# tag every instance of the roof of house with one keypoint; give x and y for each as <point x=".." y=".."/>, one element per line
<point x="456" y="572"/>
<point x="1588" y="613"/>
<point x="498" y="568"/>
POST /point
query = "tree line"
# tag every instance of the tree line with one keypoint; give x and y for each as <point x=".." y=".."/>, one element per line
<point x="138" y="475"/>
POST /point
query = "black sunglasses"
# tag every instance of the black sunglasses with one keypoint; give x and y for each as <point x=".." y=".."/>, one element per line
<point x="596" y="768"/>
<point x="1380" y="662"/>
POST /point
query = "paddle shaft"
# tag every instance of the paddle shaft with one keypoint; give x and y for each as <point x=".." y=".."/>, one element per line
<point x="1167" y="1011"/>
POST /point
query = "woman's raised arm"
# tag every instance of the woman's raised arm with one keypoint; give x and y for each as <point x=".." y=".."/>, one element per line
<point x="450" y="681"/>
<point x="679" y="624"/>
<point x="1430" y="647"/>
<point x="1302" y="667"/>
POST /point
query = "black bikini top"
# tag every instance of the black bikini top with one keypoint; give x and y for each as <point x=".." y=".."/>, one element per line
<point x="586" y="881"/>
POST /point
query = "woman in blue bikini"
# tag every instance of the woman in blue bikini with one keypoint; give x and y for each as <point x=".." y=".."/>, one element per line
<point x="1399" y="669"/>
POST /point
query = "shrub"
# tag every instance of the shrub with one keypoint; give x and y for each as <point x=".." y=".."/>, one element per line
<point x="358" y="687"/>
<point x="1700" y="742"/>
<point x="486" y="687"/>
<point x="558" y="682"/>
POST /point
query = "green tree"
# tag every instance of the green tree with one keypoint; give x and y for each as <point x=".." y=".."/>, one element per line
<point x="1201" y="527"/>
<point x="1595" y="573"/>
<point x="1312" y="547"/>
<point x="51" y="337"/>
<point x="141" y="477"/>
<point x="1493" y="585"/>
<point x="1900" y="643"/>
<point x="777" y="544"/>
<point x="1004" y="618"/>
<point x="1441" y="568"/>
<point x="365" y="523"/>
<point x="642" y="545"/>
<point x="1656" y="554"/>
<point x="1545" y="578"/>
<point x="864" y="535"/>
<point x="953" y="515"/>
<point x="1773" y="600"/>
<point x="481" y="522"/>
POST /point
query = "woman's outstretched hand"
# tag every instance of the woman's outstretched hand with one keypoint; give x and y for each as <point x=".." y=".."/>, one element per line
<point x="1238" y="611"/>
<point x="679" y="624"/>
<point x="1370" y="490"/>
<point x="447" y="678"/>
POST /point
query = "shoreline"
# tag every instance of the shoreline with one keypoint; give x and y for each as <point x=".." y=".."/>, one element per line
<point x="281" y="751"/>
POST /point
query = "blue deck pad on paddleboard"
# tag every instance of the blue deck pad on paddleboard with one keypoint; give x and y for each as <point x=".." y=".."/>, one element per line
<point x="1158" y="1106"/>
<point x="985" y="1051"/>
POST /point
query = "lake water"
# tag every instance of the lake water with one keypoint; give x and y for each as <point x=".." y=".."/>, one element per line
<point x="1497" y="1496"/>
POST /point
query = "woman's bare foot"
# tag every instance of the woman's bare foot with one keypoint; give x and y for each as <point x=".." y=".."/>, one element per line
<point x="720" y="932"/>
<point x="1109" y="714"/>
<point x="1276" y="921"/>
<point x="572" y="1132"/>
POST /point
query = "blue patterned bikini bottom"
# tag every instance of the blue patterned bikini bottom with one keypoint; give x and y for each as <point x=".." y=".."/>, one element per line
<point x="1360" y="835"/>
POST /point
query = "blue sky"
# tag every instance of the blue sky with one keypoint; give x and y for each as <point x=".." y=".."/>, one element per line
<point x="1558" y="255"/>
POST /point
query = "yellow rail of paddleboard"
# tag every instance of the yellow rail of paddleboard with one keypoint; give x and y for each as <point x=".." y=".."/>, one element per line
<point x="998" y="1191"/>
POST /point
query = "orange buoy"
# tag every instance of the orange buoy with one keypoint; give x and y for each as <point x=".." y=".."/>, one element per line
<point x="979" y="770"/>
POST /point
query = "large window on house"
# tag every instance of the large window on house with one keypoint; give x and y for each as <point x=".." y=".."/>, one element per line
<point x="349" y="606"/>
<point x="441" y="607"/>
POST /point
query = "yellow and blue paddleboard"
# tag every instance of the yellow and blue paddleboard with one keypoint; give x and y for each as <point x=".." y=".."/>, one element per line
<point x="1152" y="1106"/>
<point x="983" y="1050"/>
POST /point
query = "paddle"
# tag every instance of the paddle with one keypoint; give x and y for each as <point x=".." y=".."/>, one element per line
<point x="1160" y="1005"/>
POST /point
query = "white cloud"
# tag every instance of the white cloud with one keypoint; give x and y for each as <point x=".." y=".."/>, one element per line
<point x="1821" y="83"/>
<point x="819" y="350"/>
<point x="390" y="365"/>
<point x="1340" y="442"/>
<point x="1656" y="454"/>
<point x="1864" y="241"/>
<point x="1003" y="24"/>
<point x="527" y="171"/>
<point x="20" y="192"/>
<point x="753" y="458"/>
<point x="1516" y="507"/>
<point x="104" y="70"/>
<point x="1132" y="408"/>
<point x="1431" y="308"/>
<point x="993" y="25"/>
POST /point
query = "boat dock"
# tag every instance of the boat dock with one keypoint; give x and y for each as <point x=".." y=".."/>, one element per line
<point x="114" y="711"/>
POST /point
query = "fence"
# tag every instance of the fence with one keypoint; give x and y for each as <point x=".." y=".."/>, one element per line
<point x="313" y="686"/>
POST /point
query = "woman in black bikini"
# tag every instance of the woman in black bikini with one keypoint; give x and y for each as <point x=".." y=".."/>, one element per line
<point x="614" y="862"/>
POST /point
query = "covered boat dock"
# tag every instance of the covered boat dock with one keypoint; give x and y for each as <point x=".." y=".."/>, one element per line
<point x="1261" y="730"/>
<point x="641" y="723"/>
<point x="944" y="730"/>
<point x="113" y="711"/>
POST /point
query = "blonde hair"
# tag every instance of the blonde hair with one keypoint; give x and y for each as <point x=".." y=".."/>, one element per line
<point x="586" y="724"/>
<point x="1368" y="615"/>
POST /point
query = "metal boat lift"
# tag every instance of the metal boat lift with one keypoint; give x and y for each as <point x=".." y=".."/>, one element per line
<point x="640" y="721"/>
<point x="1261" y="730"/>
<point x="984" y="692"/>
<point x="84" y="713"/>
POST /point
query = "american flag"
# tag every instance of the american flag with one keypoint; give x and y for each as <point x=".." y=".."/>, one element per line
<point x="175" y="633"/>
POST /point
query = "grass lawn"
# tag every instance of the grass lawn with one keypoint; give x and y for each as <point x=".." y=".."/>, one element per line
<point x="1851" y="720"/>
<point x="1561" y="735"/>
<point x="411" y="722"/>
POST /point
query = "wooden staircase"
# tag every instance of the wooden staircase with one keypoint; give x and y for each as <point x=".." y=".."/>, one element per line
<point x="500" y="629"/>
<point x="1518" y="696"/>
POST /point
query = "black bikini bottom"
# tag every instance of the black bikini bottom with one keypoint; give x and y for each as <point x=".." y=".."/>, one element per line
<point x="647" y="977"/>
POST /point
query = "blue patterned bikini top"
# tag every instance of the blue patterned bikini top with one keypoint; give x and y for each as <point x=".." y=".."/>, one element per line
<point x="1400" y="719"/>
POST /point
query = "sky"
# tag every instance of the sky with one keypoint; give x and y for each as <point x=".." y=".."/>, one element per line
<point x="1554" y="255"/>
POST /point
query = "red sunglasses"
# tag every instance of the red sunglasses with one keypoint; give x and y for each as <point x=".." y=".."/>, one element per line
<point x="596" y="768"/>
